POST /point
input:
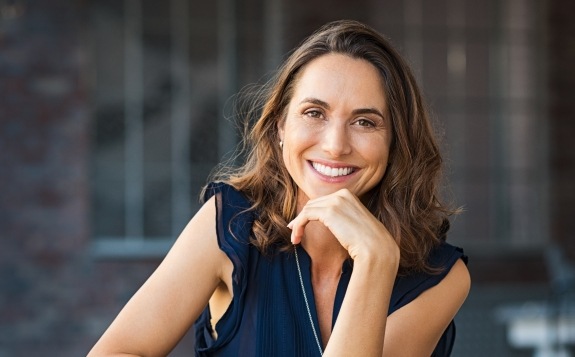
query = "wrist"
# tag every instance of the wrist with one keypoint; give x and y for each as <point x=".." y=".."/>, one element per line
<point x="379" y="260"/>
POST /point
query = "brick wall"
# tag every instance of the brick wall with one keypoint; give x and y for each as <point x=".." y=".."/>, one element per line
<point x="55" y="300"/>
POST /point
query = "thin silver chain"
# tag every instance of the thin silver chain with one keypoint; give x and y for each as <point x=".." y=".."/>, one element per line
<point x="307" y="303"/>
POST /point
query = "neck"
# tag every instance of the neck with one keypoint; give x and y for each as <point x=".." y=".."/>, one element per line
<point x="326" y="253"/>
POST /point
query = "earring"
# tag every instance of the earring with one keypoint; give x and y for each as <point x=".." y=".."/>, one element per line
<point x="281" y="144"/>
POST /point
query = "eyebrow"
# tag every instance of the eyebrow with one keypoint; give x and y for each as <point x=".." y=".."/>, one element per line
<point x="368" y="111"/>
<point x="315" y="101"/>
<point x="355" y="112"/>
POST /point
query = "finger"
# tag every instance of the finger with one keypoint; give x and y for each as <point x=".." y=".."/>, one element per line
<point x="298" y="224"/>
<point x="297" y="232"/>
<point x="329" y="208"/>
<point x="320" y="213"/>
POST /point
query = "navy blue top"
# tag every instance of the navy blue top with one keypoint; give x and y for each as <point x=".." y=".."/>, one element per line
<point x="267" y="315"/>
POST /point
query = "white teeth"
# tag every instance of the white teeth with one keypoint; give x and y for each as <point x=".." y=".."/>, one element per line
<point x="331" y="171"/>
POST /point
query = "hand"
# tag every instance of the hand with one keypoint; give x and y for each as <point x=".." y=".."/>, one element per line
<point x="356" y="229"/>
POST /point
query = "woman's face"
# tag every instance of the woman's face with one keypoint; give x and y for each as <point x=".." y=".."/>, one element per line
<point x="336" y="133"/>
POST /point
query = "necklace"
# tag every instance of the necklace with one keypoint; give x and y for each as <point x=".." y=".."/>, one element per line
<point x="306" y="302"/>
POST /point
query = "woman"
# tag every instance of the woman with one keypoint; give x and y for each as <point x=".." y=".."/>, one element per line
<point x="329" y="239"/>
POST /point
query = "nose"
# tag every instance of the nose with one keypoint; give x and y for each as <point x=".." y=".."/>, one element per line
<point x="335" y="140"/>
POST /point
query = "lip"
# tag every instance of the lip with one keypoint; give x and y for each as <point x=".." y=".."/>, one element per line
<point x="339" y="165"/>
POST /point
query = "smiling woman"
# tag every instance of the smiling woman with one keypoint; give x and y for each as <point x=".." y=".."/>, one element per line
<point x="329" y="239"/>
<point x="344" y="130"/>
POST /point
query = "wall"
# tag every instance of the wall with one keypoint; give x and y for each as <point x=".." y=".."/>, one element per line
<point x="55" y="300"/>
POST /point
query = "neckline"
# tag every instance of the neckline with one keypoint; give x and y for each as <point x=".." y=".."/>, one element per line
<point x="346" y="266"/>
<point x="305" y="262"/>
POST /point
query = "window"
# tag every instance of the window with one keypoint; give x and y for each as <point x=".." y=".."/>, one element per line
<point x="161" y="76"/>
<point x="480" y="65"/>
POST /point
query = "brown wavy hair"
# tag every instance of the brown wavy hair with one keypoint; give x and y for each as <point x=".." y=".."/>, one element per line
<point x="405" y="201"/>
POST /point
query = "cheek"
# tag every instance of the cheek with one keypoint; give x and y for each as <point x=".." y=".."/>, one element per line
<point x="298" y="136"/>
<point x="296" y="144"/>
<point x="376" y="151"/>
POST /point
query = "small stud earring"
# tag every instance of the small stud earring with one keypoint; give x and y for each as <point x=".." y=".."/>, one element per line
<point x="281" y="144"/>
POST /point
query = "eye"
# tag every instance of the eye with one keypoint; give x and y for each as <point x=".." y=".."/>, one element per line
<point x="313" y="113"/>
<point x="365" y="122"/>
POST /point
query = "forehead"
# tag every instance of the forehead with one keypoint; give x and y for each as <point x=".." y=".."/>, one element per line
<point x="339" y="77"/>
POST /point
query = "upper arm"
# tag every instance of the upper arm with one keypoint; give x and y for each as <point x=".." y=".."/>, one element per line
<point x="415" y="329"/>
<point x="168" y="303"/>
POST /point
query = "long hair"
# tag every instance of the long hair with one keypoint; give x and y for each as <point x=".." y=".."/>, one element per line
<point x="406" y="199"/>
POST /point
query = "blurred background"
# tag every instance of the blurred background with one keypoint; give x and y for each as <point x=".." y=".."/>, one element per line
<point x="113" y="112"/>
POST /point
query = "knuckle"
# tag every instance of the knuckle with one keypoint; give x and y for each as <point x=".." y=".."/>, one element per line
<point x="340" y="200"/>
<point x="332" y="210"/>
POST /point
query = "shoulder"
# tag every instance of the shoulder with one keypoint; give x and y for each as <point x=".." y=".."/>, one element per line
<point x="443" y="258"/>
<point x="455" y="265"/>
<point x="458" y="280"/>
<point x="434" y="298"/>
<point x="227" y="193"/>
<point x="234" y="213"/>
<point x="234" y="218"/>
<point x="453" y="277"/>
<point x="445" y="255"/>
<point x="452" y="262"/>
<point x="449" y="293"/>
<point x="437" y="306"/>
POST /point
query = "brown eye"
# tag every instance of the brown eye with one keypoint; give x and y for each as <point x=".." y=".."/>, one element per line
<point x="313" y="113"/>
<point x="365" y="122"/>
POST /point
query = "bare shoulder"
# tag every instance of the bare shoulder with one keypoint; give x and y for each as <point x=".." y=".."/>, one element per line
<point x="449" y="294"/>
<point x="458" y="280"/>
<point x="199" y="242"/>
<point x="436" y="306"/>
<point x="173" y="297"/>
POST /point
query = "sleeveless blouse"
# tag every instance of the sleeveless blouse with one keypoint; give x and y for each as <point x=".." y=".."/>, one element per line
<point x="268" y="316"/>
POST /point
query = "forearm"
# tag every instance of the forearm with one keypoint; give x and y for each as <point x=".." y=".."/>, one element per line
<point x="360" y="326"/>
<point x="95" y="353"/>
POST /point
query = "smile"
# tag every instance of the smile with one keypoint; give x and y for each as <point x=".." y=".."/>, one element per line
<point x="332" y="171"/>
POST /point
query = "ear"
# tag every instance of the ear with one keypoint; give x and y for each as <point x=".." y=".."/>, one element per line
<point x="280" y="125"/>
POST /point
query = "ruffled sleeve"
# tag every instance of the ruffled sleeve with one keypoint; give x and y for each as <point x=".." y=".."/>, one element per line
<point x="234" y="221"/>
